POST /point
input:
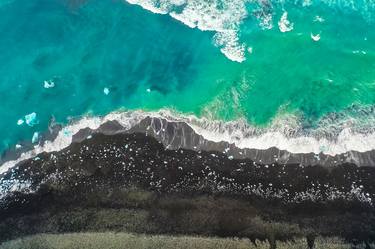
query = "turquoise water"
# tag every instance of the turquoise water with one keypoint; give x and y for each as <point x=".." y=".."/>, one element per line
<point x="149" y="61"/>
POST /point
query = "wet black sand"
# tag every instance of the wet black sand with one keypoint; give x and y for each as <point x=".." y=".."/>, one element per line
<point x="184" y="192"/>
<point x="175" y="135"/>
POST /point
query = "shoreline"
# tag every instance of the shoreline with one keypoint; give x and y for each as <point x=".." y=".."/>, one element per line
<point x="277" y="180"/>
<point x="175" y="132"/>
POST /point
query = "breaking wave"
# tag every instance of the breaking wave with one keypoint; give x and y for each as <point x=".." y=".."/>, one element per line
<point x="225" y="17"/>
<point x="335" y="134"/>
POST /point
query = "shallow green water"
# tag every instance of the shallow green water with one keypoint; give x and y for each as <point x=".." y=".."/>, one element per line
<point x="150" y="61"/>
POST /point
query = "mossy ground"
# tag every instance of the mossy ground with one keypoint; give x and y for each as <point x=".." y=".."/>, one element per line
<point x="133" y="241"/>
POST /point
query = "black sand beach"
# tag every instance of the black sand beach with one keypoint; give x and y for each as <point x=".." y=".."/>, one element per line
<point x="132" y="183"/>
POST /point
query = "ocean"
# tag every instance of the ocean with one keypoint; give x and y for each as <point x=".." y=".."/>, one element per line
<point x="296" y="75"/>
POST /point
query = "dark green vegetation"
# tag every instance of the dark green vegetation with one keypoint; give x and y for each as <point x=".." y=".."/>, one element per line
<point x="130" y="183"/>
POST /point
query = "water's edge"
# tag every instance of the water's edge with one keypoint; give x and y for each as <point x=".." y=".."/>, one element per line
<point x="174" y="134"/>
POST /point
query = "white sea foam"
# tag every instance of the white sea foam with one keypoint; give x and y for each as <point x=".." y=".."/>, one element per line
<point x="20" y="122"/>
<point x="319" y="19"/>
<point x="225" y="17"/>
<point x="285" y="133"/>
<point x="284" y="24"/>
<point x="126" y="119"/>
<point x="35" y="137"/>
<point x="49" y="84"/>
<point x="230" y="45"/>
<point x="222" y="17"/>
<point x="266" y="21"/>
<point x="31" y="119"/>
<point x="315" y="37"/>
<point x="106" y="90"/>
